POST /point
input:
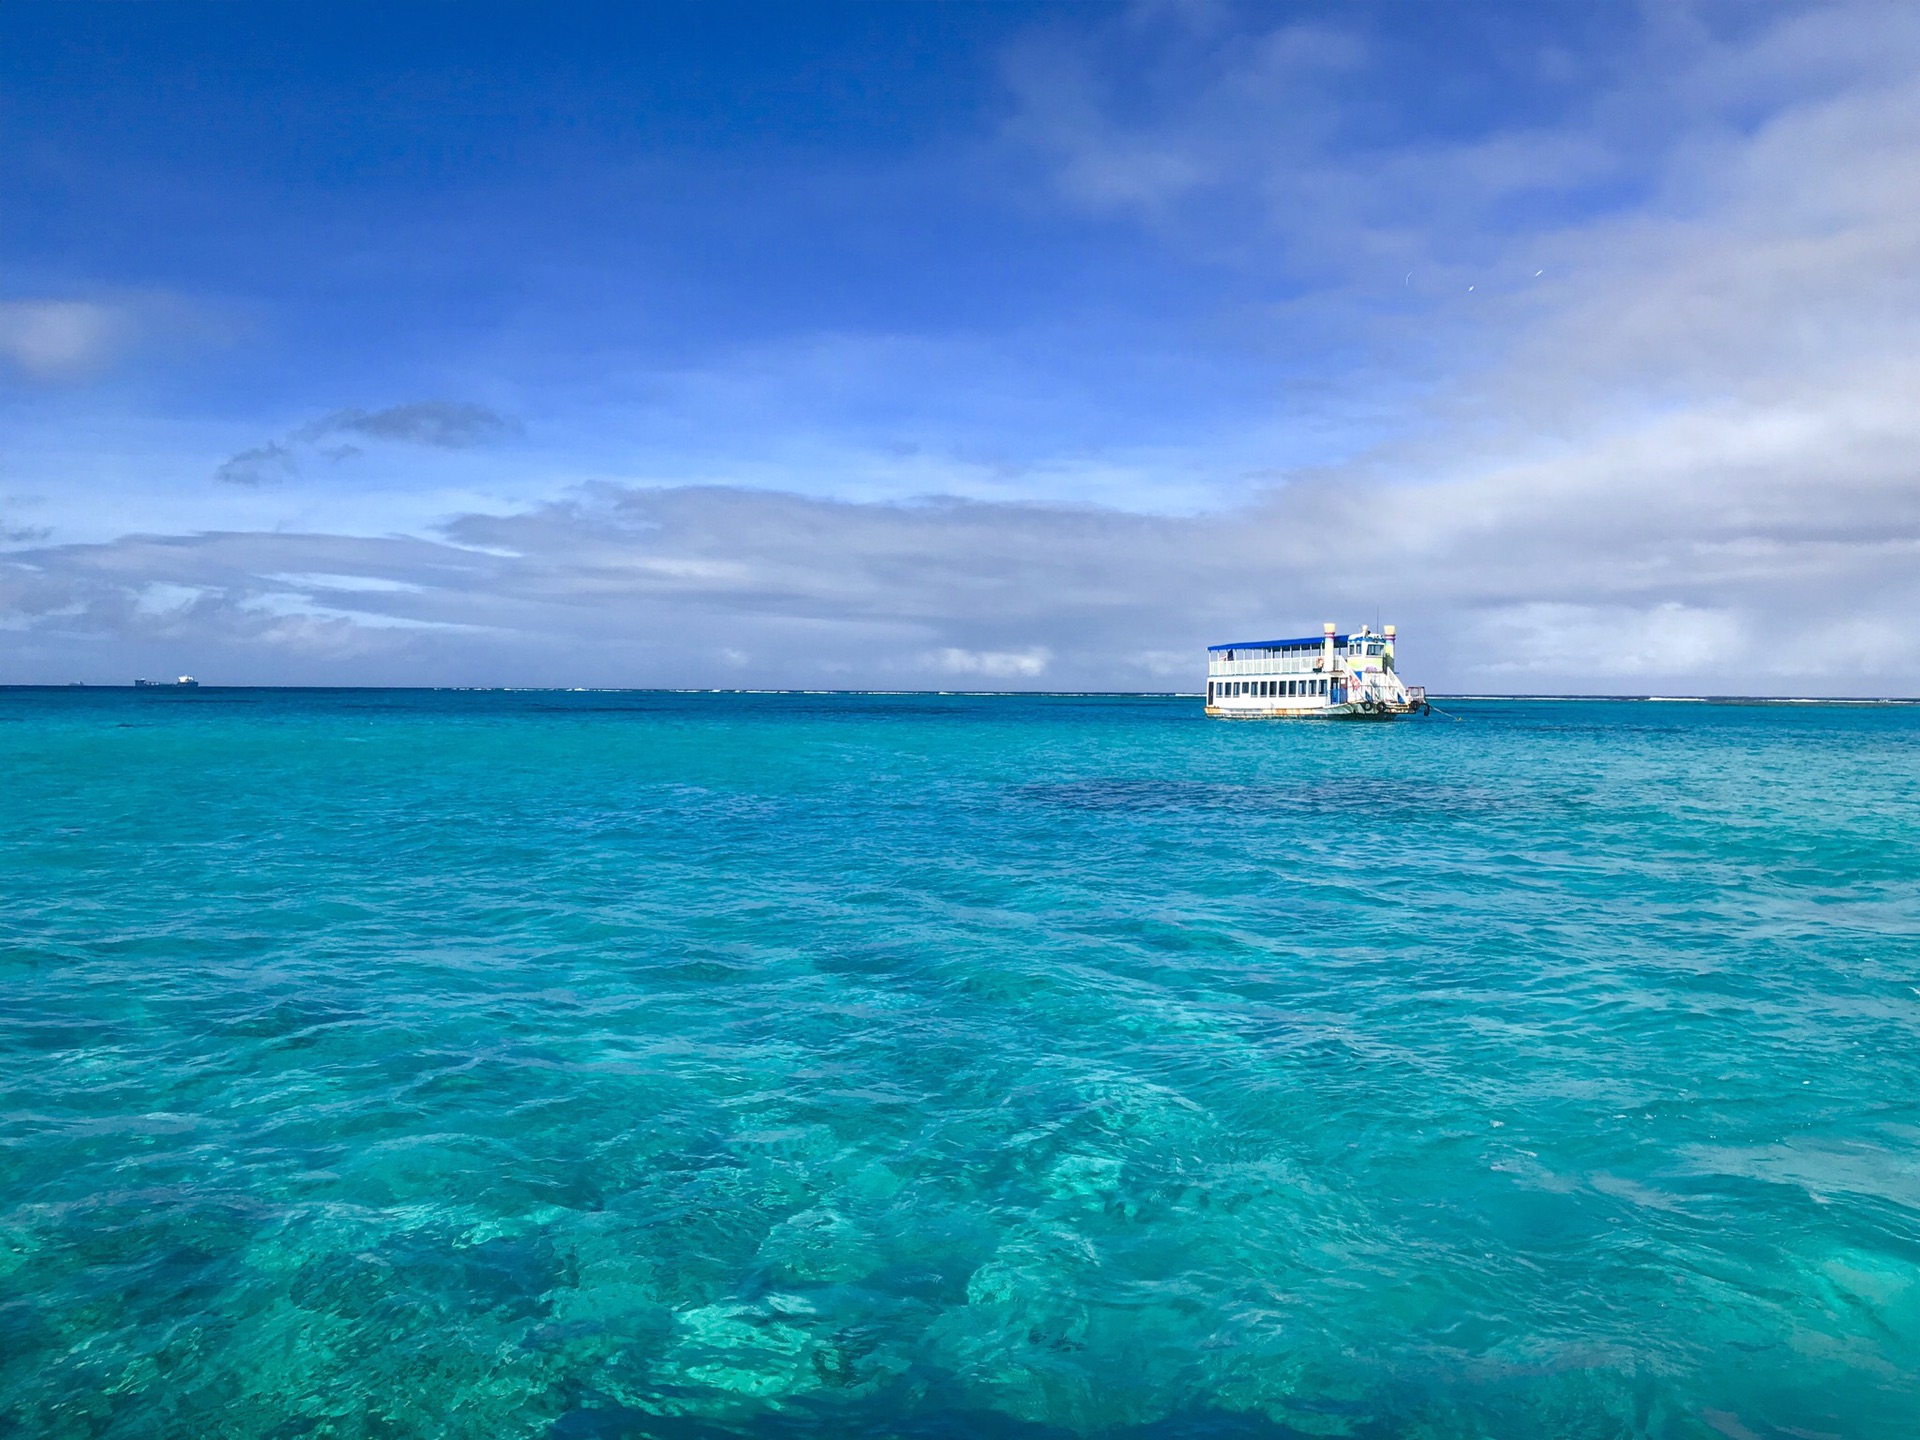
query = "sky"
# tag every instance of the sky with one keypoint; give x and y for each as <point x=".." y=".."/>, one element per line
<point x="937" y="346"/>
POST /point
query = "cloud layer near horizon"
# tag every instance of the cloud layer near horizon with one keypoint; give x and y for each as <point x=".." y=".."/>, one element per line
<point x="1504" y="581"/>
<point x="1653" y="367"/>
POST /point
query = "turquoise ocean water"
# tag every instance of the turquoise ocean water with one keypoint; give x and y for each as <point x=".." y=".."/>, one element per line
<point x="636" y="1065"/>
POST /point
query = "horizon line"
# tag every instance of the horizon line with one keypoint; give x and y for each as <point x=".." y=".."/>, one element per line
<point x="170" y="687"/>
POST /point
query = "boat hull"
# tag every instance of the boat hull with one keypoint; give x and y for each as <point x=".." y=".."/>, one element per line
<point x="1353" y="710"/>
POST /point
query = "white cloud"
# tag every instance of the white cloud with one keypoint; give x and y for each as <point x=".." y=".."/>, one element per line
<point x="284" y="604"/>
<point x="164" y="599"/>
<point x="61" y="339"/>
<point x="361" y="584"/>
<point x="443" y="424"/>
<point x="1607" y="642"/>
<point x="992" y="664"/>
<point x="437" y="424"/>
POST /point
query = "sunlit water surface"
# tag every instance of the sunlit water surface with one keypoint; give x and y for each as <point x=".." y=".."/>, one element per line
<point x="380" y="1064"/>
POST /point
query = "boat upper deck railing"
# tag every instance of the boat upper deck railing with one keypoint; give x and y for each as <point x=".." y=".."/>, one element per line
<point x="1292" y="665"/>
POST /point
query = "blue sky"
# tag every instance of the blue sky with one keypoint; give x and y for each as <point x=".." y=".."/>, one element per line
<point x="956" y="345"/>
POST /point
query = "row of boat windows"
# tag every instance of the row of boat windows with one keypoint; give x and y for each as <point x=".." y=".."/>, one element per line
<point x="1277" y="652"/>
<point x="1266" y="689"/>
<point x="1293" y="652"/>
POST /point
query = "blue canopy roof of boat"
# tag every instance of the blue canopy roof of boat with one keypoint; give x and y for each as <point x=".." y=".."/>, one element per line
<point x="1313" y="640"/>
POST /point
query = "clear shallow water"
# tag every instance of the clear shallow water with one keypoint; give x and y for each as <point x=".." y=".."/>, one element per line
<point x="645" y="1065"/>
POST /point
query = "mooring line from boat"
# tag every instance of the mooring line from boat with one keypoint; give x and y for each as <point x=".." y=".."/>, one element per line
<point x="1433" y="709"/>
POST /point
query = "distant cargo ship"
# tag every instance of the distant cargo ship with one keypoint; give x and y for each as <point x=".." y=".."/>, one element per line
<point x="182" y="682"/>
<point x="1334" y="677"/>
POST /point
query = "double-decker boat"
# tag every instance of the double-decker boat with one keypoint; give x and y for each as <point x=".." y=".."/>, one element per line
<point x="1334" y="677"/>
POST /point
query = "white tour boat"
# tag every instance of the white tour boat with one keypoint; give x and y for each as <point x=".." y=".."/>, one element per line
<point x="1336" y="677"/>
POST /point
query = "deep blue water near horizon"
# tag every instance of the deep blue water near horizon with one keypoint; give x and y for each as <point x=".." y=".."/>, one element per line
<point x="624" y="1064"/>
